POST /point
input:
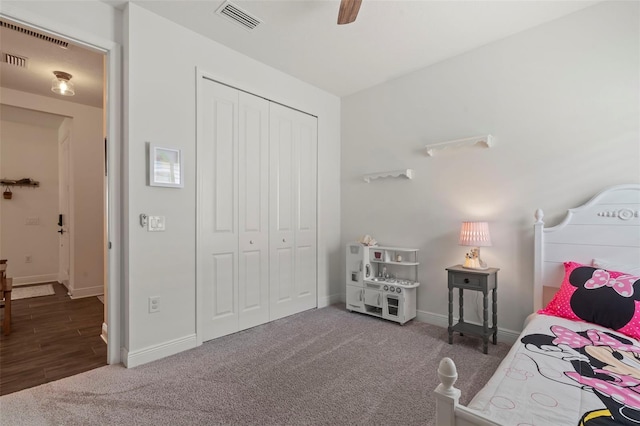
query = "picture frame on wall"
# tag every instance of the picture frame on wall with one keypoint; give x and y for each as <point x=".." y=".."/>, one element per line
<point x="165" y="167"/>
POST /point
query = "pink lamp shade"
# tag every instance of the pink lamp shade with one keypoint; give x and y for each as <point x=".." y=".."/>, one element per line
<point x="475" y="234"/>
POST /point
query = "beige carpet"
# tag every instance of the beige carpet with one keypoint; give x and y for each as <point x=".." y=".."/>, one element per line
<point x="32" y="291"/>
<point x="320" y="367"/>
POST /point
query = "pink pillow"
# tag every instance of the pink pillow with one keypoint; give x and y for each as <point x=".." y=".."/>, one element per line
<point x="607" y="298"/>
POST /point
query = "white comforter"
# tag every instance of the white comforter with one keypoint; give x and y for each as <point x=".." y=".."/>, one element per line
<point x="562" y="372"/>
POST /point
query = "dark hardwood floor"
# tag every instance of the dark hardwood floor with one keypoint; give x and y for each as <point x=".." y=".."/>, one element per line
<point x="52" y="337"/>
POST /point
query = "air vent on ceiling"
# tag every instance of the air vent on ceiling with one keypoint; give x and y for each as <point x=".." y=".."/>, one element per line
<point x="35" y="34"/>
<point x="241" y="17"/>
<point x="18" y="61"/>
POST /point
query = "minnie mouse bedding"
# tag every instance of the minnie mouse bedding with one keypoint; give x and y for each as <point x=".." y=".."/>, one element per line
<point x="564" y="372"/>
<point x="578" y="363"/>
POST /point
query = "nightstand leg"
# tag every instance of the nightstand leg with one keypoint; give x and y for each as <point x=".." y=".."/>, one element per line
<point x="461" y="303"/>
<point x="494" y="295"/>
<point x="485" y="321"/>
<point x="450" y="316"/>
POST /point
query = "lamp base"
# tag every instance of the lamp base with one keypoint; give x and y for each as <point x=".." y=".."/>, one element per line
<point x="474" y="261"/>
<point x="481" y="268"/>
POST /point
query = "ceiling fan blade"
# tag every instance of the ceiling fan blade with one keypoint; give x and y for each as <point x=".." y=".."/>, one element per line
<point x="348" y="11"/>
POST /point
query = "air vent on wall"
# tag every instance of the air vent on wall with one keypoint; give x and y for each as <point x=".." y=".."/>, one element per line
<point x="18" y="61"/>
<point x="241" y="17"/>
<point x="35" y="34"/>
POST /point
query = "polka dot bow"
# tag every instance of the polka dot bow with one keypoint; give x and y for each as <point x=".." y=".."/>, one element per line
<point x="623" y="285"/>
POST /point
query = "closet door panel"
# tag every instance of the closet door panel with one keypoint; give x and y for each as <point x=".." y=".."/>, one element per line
<point x="254" y="210"/>
<point x="283" y="177"/>
<point x="305" y="212"/>
<point x="250" y="289"/>
<point x="222" y="273"/>
<point x="217" y="236"/>
<point x="293" y="139"/>
<point x="282" y="203"/>
<point x="283" y="290"/>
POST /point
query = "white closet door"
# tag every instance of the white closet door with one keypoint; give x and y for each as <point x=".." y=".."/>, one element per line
<point x="254" y="211"/>
<point x="305" y="210"/>
<point x="218" y="231"/>
<point x="292" y="240"/>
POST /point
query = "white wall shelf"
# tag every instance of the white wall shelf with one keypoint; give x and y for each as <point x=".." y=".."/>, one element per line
<point x="407" y="173"/>
<point x="486" y="140"/>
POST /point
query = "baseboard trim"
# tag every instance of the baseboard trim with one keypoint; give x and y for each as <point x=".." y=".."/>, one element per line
<point x="34" y="279"/>
<point x="504" y="335"/>
<point x="79" y="293"/>
<point x="104" y="334"/>
<point x="156" y="352"/>
<point x="323" y="302"/>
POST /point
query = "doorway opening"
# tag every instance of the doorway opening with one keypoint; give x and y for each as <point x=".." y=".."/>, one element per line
<point x="53" y="234"/>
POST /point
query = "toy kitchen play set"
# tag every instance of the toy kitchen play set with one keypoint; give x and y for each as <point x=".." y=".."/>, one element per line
<point x="382" y="281"/>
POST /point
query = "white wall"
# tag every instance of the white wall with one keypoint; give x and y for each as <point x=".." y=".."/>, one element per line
<point x="562" y="101"/>
<point x="160" y="107"/>
<point x="30" y="151"/>
<point x="88" y="18"/>
<point x="87" y="190"/>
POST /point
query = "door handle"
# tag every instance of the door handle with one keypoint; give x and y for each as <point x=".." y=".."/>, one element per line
<point x="361" y="291"/>
<point x="61" y="231"/>
<point x="379" y="301"/>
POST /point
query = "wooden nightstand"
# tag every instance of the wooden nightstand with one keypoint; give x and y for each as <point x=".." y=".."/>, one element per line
<point x="477" y="280"/>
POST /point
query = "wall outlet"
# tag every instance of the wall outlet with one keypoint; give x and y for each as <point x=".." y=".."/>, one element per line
<point x="28" y="259"/>
<point x="154" y="304"/>
<point x="32" y="221"/>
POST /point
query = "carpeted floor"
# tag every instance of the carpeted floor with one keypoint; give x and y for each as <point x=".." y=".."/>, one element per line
<point x="320" y="367"/>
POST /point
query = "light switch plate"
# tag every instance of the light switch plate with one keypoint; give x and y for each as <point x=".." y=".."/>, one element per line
<point x="156" y="224"/>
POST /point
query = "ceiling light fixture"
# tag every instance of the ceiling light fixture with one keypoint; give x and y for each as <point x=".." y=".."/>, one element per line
<point x="61" y="84"/>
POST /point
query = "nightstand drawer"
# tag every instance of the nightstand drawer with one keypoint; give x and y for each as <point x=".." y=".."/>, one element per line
<point x="468" y="280"/>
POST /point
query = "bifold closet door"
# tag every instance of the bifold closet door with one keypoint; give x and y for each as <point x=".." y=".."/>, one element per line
<point x="217" y="162"/>
<point x="253" y="275"/>
<point x="233" y="230"/>
<point x="292" y="238"/>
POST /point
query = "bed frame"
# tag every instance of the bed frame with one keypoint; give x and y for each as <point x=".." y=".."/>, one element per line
<point x="606" y="227"/>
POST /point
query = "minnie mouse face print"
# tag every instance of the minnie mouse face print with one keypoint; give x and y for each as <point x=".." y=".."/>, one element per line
<point x="600" y="362"/>
<point x="605" y="298"/>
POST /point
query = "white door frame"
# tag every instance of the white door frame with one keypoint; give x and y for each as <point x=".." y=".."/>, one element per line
<point x="64" y="208"/>
<point x="113" y="52"/>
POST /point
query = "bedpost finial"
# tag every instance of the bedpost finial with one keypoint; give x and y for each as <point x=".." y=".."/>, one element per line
<point x="539" y="215"/>
<point x="447" y="373"/>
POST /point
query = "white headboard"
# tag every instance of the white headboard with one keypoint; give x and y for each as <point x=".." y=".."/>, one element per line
<point x="606" y="227"/>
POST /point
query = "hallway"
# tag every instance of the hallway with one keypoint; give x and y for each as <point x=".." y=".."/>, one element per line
<point x="51" y="337"/>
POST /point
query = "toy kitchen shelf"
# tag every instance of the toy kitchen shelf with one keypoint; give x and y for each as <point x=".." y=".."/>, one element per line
<point x="382" y="281"/>
<point x="395" y="256"/>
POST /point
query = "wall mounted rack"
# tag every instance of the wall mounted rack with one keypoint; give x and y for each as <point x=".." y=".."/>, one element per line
<point x="407" y="173"/>
<point x="20" y="182"/>
<point x="486" y="140"/>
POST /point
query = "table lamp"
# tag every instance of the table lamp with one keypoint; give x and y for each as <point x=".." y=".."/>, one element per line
<point x="476" y="235"/>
